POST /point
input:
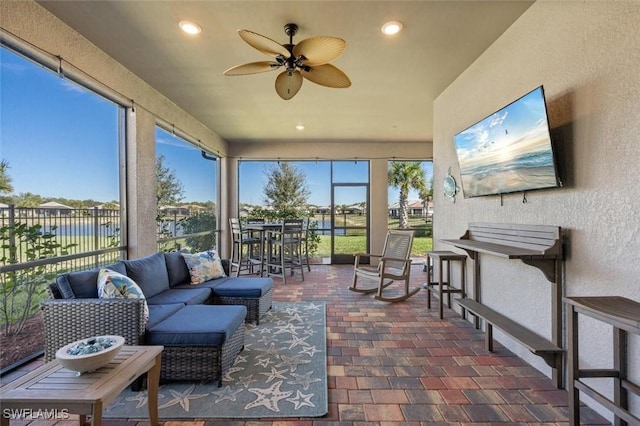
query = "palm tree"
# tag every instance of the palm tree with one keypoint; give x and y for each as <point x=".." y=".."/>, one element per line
<point x="405" y="175"/>
<point x="5" y="179"/>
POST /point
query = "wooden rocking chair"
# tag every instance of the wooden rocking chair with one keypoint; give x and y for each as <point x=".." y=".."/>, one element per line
<point x="394" y="265"/>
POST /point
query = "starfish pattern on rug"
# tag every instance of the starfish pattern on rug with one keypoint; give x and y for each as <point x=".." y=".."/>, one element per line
<point x="141" y="397"/>
<point x="240" y="359"/>
<point x="281" y="372"/>
<point x="227" y="375"/>
<point x="292" y="362"/>
<point x="274" y="374"/>
<point x="182" y="398"/>
<point x="226" y="394"/>
<point x="246" y="381"/>
<point x="297" y="318"/>
<point x="265" y="340"/>
<point x="271" y="350"/>
<point x="268" y="397"/>
<point x="310" y="350"/>
<point x="263" y="362"/>
<point x="288" y="328"/>
<point x="313" y="307"/>
<point x="296" y="341"/>
<point x="303" y="379"/>
<point x="300" y="400"/>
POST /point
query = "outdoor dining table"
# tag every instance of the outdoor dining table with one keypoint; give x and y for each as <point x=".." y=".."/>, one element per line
<point x="263" y="229"/>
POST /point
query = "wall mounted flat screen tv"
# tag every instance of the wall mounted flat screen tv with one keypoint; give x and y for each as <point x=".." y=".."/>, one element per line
<point x="509" y="151"/>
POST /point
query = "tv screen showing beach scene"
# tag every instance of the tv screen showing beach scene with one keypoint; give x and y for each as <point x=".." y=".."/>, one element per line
<point x="509" y="151"/>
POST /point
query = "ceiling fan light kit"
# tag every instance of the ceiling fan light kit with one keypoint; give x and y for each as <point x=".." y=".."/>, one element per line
<point x="308" y="59"/>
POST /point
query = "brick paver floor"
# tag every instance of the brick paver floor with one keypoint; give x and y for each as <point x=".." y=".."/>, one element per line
<point x="398" y="363"/>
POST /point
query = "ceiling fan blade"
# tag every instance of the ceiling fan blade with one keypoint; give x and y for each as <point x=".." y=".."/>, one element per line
<point x="252" y="68"/>
<point x="287" y="85"/>
<point x="263" y="44"/>
<point x="327" y="75"/>
<point x="319" y="50"/>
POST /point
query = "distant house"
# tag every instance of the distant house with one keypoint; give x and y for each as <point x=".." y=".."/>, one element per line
<point x="4" y="209"/>
<point x="416" y="208"/>
<point x="193" y="208"/>
<point x="352" y="210"/>
<point x="104" y="210"/>
<point x="322" y="210"/>
<point x="53" y="208"/>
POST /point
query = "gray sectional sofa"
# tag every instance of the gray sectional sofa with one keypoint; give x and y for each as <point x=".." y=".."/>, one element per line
<point x="201" y="326"/>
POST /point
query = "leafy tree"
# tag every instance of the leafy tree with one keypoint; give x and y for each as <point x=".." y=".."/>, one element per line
<point x="286" y="189"/>
<point x="406" y="175"/>
<point x="200" y="223"/>
<point x="28" y="199"/>
<point x="287" y="193"/>
<point x="5" y="179"/>
<point x="169" y="189"/>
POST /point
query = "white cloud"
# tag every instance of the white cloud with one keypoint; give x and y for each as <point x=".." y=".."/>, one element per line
<point x="497" y="120"/>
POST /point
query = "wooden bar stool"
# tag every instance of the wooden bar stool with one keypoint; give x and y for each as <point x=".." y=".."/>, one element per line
<point x="442" y="287"/>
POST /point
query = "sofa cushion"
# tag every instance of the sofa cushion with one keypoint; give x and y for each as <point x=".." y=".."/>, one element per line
<point x="203" y="266"/>
<point x="158" y="313"/>
<point x="243" y="287"/>
<point x="206" y="325"/>
<point x="114" y="285"/>
<point x="207" y="284"/>
<point x="150" y="273"/>
<point x="193" y="296"/>
<point x="82" y="284"/>
<point x="176" y="269"/>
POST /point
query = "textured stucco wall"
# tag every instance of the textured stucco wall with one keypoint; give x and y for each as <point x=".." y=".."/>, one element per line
<point x="586" y="56"/>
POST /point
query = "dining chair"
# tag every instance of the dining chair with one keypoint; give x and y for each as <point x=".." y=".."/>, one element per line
<point x="245" y="249"/>
<point x="306" y="222"/>
<point x="285" y="250"/>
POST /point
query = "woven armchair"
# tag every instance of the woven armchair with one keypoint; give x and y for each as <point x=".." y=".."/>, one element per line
<point x="68" y="320"/>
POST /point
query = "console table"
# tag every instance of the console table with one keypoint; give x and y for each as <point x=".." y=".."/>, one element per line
<point x="624" y="315"/>
<point x="539" y="246"/>
<point x="53" y="387"/>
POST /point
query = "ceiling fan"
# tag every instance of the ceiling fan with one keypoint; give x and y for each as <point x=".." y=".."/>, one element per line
<point x="309" y="59"/>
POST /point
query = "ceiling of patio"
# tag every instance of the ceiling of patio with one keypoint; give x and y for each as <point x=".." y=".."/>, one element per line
<point x="394" y="79"/>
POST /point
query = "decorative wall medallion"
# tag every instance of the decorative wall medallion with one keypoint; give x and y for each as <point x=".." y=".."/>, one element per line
<point x="449" y="186"/>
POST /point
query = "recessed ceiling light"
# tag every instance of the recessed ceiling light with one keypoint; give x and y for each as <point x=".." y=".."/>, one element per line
<point x="392" y="27"/>
<point x="190" y="27"/>
<point x="300" y="127"/>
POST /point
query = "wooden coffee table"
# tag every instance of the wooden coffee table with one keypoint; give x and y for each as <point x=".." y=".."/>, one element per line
<point x="53" y="390"/>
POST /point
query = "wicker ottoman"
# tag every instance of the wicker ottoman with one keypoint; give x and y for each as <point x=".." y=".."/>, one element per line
<point x="254" y="293"/>
<point x="200" y="341"/>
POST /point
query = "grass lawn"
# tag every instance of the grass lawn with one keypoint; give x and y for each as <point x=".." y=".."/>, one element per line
<point x="356" y="244"/>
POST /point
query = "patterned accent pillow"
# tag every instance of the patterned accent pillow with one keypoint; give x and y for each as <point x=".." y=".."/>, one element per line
<point x="203" y="266"/>
<point x="114" y="285"/>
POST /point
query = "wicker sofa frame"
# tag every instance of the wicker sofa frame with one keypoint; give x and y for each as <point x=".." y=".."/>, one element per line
<point x="256" y="307"/>
<point x="68" y="320"/>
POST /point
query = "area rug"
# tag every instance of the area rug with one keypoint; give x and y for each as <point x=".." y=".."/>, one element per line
<point x="282" y="372"/>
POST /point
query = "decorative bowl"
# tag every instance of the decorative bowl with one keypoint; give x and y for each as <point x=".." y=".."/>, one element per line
<point x="89" y="354"/>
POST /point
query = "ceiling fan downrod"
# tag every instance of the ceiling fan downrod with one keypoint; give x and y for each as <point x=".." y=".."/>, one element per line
<point x="292" y="62"/>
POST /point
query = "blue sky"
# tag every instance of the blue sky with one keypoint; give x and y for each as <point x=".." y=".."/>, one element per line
<point x="504" y="129"/>
<point x="60" y="141"/>
<point x="57" y="138"/>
